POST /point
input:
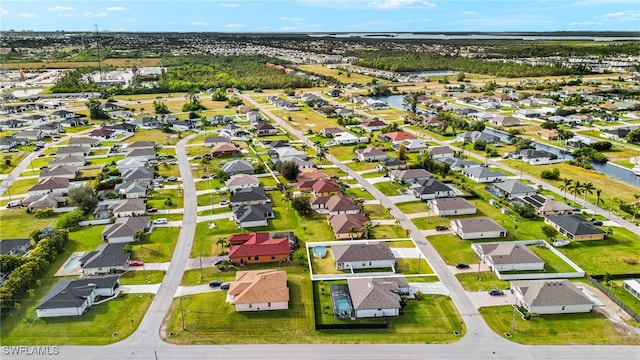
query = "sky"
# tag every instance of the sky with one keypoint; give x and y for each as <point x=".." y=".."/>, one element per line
<point x="320" y="15"/>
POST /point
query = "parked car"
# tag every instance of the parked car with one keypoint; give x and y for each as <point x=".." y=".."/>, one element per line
<point x="442" y="228"/>
<point x="14" y="203"/>
<point x="152" y="210"/>
<point x="597" y="223"/>
<point x="136" y="263"/>
<point x="215" y="283"/>
<point x="220" y="261"/>
<point x="204" y="177"/>
<point x="161" y="221"/>
<point x="496" y="292"/>
<point x="225" y="202"/>
<point x="225" y="286"/>
<point x="462" y="266"/>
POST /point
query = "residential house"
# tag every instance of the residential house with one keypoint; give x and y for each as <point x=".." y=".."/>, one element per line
<point x="619" y="134"/>
<point x="237" y="167"/>
<point x="34" y="119"/>
<point x="30" y="135"/>
<point x="146" y="122"/>
<point x="72" y="150"/>
<point x="133" y="190"/>
<point x="122" y="128"/>
<point x="546" y="206"/>
<point x="477" y="228"/>
<point x="370" y="154"/>
<point x="412" y="146"/>
<point x="12" y="124"/>
<point x="471" y="136"/>
<point x="84" y="142"/>
<point x="391" y="164"/>
<point x="349" y="226"/>
<point x="331" y="132"/>
<point x="373" y="125"/>
<point x="342" y="204"/>
<point x="241" y="181"/>
<point x="139" y="145"/>
<point x="258" y="248"/>
<point x="324" y="187"/>
<point x="575" y="227"/>
<point x="225" y="149"/>
<point x="510" y="189"/>
<point x="249" y="196"/>
<point x="125" y="229"/>
<point x="14" y="246"/>
<point x="633" y="287"/>
<point x="107" y="259"/>
<point x="254" y="116"/>
<point x="259" y="290"/>
<point x="312" y="174"/>
<point x="483" y="175"/>
<point x="432" y="189"/>
<point x="62" y="114"/>
<point x="72" y="297"/>
<point x="451" y="206"/>
<point x="346" y="138"/>
<point x="124" y="114"/>
<point x="211" y="141"/>
<point x="457" y="164"/>
<point x="9" y="142"/>
<point x="230" y="131"/>
<point x="128" y="164"/>
<point x="128" y="207"/>
<point x="265" y="129"/>
<point x="37" y="202"/>
<point x="537" y="157"/>
<point x="396" y="136"/>
<point x="144" y="174"/>
<point x="548" y="134"/>
<point x="550" y="297"/>
<point x="508" y="256"/>
<point x="102" y="134"/>
<point x="59" y="171"/>
<point x="109" y="106"/>
<point x="75" y="122"/>
<point x="184" y="125"/>
<point x="376" y="255"/>
<point x="504" y="121"/>
<point x="345" y="113"/>
<point x="253" y="215"/>
<point x="52" y="185"/>
<point x="409" y="176"/>
<point x="377" y="297"/>
<point x="440" y="152"/>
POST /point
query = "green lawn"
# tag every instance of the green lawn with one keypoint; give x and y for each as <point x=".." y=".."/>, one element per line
<point x="377" y="212"/>
<point x="387" y="232"/>
<point x="16" y="223"/>
<point x="430" y="222"/>
<point x="268" y="181"/>
<point x="452" y="249"/>
<point x="363" y="165"/>
<point x="616" y="287"/>
<point x="20" y="187"/>
<point x="413" y="207"/>
<point x="359" y="193"/>
<point x="325" y="265"/>
<point x="96" y="327"/>
<point x="556" y="329"/>
<point x="343" y="152"/>
<point x="413" y="266"/>
<point x="142" y="277"/>
<point x="160" y="246"/>
<point x="552" y="262"/>
<point x="209" y="184"/>
<point x="481" y="281"/>
<point x="401" y="244"/>
<point x="158" y="198"/>
<point x="15" y="159"/>
<point x="388" y="188"/>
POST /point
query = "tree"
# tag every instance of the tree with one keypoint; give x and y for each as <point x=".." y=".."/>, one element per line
<point x="95" y="110"/>
<point x="222" y="242"/>
<point x="84" y="198"/>
<point x="599" y="197"/>
<point x="461" y="76"/>
<point x="549" y="231"/>
<point x="70" y="220"/>
<point x="576" y="189"/>
<point x="289" y="169"/>
<point x="160" y="107"/>
<point x="402" y="152"/>
<point x="7" y="160"/>
<point x="587" y="188"/>
<point x="302" y="205"/>
<point x="141" y="236"/>
<point x="552" y="174"/>
<point x="219" y="95"/>
<point x="566" y="184"/>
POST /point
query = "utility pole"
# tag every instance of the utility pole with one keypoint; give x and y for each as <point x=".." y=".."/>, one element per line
<point x="182" y="314"/>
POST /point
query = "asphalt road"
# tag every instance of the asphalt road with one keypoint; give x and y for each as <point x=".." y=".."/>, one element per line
<point x="479" y="343"/>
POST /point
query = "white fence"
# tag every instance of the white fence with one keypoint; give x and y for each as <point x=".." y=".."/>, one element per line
<point x="95" y="222"/>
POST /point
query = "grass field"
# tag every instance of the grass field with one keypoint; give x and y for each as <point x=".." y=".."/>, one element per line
<point x="142" y="277"/>
<point x="159" y="197"/>
<point x="359" y="193"/>
<point x="341" y="75"/>
<point x="160" y="246"/>
<point x="387" y="232"/>
<point x="377" y="212"/>
<point x="413" y="207"/>
<point x="481" y="281"/>
<point x="388" y="188"/>
<point x="556" y="329"/>
<point x="16" y="223"/>
<point x="14" y="158"/>
<point x="20" y="187"/>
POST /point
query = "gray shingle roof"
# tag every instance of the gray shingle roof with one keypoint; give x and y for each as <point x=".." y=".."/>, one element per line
<point x="73" y="292"/>
<point x="374" y="293"/>
<point x="249" y="194"/>
<point x="509" y="253"/>
<point x="107" y="255"/>
<point x="362" y="252"/>
<point x="551" y="292"/>
<point x="575" y="225"/>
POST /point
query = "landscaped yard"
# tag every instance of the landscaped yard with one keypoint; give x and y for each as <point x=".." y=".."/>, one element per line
<point x="452" y="249"/>
<point x="387" y="232"/>
<point x="96" y="327"/>
<point x="481" y="281"/>
<point x="359" y="193"/>
<point x="156" y="135"/>
<point x="158" y="199"/>
<point x="389" y="189"/>
<point x="556" y="329"/>
<point x="377" y="212"/>
<point x="413" y="207"/>
<point x="160" y="246"/>
<point x="16" y="223"/>
<point x="142" y="277"/>
<point x="20" y="187"/>
<point x="413" y="266"/>
<point x="325" y="265"/>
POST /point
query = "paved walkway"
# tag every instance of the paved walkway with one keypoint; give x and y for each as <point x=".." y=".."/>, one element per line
<point x="421" y="214"/>
<point x="150" y="266"/>
<point x="482" y="298"/>
<point x="206" y="261"/>
<point x="407" y="253"/>
<point x="437" y="288"/>
<point x="214" y="217"/>
<point x="140" y="289"/>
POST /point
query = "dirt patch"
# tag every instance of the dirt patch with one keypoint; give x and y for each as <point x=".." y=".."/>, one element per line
<point x="618" y="317"/>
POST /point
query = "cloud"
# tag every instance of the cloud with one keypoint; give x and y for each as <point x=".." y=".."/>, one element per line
<point x="61" y="8"/>
<point x="584" y="23"/>
<point x="93" y="15"/>
<point x="27" y="15"/>
<point x="66" y="15"/>
<point x="629" y="15"/>
<point x="602" y="2"/>
<point x="234" y="25"/>
<point x="198" y="23"/>
<point x="116" y="8"/>
<point x="3" y="11"/>
<point x="296" y="19"/>
<point x="396" y="4"/>
<point x="229" y="5"/>
<point x="469" y="12"/>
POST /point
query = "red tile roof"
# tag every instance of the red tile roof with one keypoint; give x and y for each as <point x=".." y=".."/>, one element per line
<point x="257" y="244"/>
<point x="399" y="135"/>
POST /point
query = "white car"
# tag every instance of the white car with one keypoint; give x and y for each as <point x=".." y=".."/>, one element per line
<point x="161" y="221"/>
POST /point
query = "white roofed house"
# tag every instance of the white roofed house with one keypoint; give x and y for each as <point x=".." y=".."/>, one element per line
<point x="508" y="256"/>
<point x="376" y="255"/>
<point x="240" y="181"/>
<point x="504" y="121"/>
<point x="483" y="174"/>
<point x="370" y="154"/>
<point x="551" y="297"/>
<point x="451" y="206"/>
<point x="477" y="228"/>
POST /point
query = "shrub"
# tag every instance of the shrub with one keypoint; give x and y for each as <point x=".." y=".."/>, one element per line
<point x="43" y="213"/>
<point x="553" y="174"/>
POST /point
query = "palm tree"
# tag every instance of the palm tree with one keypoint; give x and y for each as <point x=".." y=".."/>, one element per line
<point x="620" y="202"/>
<point x="352" y="231"/>
<point x="599" y="197"/>
<point x="566" y="184"/>
<point x="222" y="242"/>
<point x="576" y="189"/>
<point x="587" y="188"/>
<point x="635" y="206"/>
<point x="397" y="222"/>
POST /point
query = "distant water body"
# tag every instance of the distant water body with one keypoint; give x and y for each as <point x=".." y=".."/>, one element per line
<point x="405" y="36"/>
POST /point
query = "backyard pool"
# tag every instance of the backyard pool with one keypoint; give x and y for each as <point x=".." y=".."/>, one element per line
<point x="319" y="251"/>
<point x="341" y="301"/>
<point x="73" y="263"/>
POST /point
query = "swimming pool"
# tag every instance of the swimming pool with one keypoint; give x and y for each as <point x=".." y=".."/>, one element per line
<point x="341" y="301"/>
<point x="319" y="251"/>
<point x="73" y="263"/>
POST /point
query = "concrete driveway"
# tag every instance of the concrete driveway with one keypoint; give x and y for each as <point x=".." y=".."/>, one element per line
<point x="150" y="266"/>
<point x="437" y="288"/>
<point x="196" y="289"/>
<point x="483" y="299"/>
<point x="140" y="289"/>
<point x="408" y="253"/>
